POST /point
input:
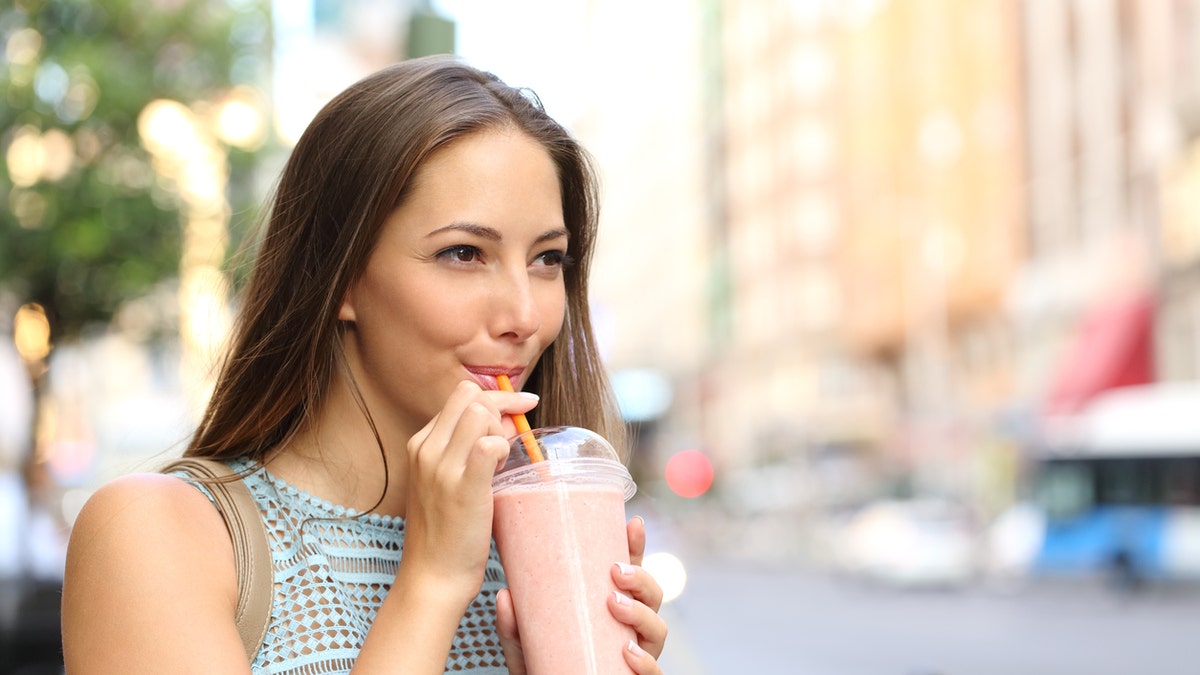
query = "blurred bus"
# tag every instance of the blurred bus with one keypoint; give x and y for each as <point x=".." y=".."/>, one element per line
<point x="1114" y="490"/>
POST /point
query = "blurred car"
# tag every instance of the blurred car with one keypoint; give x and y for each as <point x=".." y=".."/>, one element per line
<point x="917" y="543"/>
<point x="1013" y="541"/>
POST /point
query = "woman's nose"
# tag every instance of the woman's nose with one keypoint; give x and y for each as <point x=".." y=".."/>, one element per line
<point x="515" y="312"/>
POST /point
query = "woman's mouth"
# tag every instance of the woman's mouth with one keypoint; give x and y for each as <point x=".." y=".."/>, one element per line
<point x="485" y="376"/>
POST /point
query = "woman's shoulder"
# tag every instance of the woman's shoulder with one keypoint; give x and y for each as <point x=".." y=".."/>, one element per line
<point x="150" y="516"/>
<point x="145" y="500"/>
<point x="149" y="564"/>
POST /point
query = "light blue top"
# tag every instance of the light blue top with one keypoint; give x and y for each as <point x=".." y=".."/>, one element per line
<point x="332" y="572"/>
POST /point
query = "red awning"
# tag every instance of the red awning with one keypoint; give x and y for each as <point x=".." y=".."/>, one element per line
<point x="1114" y="347"/>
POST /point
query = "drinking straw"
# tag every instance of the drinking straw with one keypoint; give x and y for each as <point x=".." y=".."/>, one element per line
<point x="531" y="445"/>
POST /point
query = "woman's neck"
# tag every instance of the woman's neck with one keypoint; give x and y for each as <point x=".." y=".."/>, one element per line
<point x="337" y="457"/>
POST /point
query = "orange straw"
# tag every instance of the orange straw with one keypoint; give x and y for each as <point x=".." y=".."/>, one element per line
<point x="531" y="445"/>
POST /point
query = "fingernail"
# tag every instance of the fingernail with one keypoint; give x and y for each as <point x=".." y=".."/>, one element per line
<point x="625" y="568"/>
<point x="621" y="598"/>
<point x="641" y="519"/>
<point x="529" y="394"/>
<point x="634" y="649"/>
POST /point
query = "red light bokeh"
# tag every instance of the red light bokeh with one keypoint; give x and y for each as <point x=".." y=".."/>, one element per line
<point x="689" y="473"/>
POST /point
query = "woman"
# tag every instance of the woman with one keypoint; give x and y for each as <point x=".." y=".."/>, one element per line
<point x="431" y="231"/>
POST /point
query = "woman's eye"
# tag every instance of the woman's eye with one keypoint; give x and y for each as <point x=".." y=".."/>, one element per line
<point x="555" y="259"/>
<point x="460" y="254"/>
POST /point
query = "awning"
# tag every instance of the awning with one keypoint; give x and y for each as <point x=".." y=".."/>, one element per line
<point x="1114" y="347"/>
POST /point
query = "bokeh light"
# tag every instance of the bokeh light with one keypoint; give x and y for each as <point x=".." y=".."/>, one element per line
<point x="24" y="46"/>
<point x="167" y="127"/>
<point x="689" y="473"/>
<point x="31" y="332"/>
<point x="26" y="157"/>
<point x="668" y="571"/>
<point x="238" y="120"/>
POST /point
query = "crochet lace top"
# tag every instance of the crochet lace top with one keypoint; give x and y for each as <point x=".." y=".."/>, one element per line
<point x="333" y="568"/>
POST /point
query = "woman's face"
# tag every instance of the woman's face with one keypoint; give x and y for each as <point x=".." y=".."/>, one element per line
<point x="465" y="281"/>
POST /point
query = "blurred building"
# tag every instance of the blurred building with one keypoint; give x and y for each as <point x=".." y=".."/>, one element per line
<point x="780" y="381"/>
<point x="932" y="232"/>
<point x="920" y="224"/>
<point x="869" y="230"/>
<point x="1098" y="129"/>
<point x="1163" y="108"/>
<point x="1108" y="293"/>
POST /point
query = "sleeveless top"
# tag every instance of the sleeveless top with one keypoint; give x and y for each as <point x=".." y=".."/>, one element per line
<point x="333" y="568"/>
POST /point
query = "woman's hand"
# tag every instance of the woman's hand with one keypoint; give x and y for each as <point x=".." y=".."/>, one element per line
<point x="448" y="530"/>
<point x="451" y="461"/>
<point x="506" y="628"/>
<point x="637" y="605"/>
<point x="637" y="602"/>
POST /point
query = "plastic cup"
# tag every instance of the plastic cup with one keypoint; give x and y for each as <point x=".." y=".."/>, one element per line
<point x="559" y="526"/>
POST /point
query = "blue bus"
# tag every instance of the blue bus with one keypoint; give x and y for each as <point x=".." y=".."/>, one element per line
<point x="1115" y="490"/>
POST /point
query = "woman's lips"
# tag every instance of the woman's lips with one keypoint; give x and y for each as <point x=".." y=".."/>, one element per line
<point x="485" y="376"/>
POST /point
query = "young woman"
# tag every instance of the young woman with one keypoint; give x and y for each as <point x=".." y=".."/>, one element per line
<point x="432" y="230"/>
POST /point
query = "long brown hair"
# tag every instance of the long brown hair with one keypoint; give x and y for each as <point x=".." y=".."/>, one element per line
<point x="353" y="167"/>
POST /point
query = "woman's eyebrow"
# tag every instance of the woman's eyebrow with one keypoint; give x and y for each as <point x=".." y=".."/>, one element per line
<point x="470" y="228"/>
<point x="493" y="234"/>
<point x="556" y="233"/>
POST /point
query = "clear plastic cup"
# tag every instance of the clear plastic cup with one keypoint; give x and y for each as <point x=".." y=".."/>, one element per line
<point x="559" y="526"/>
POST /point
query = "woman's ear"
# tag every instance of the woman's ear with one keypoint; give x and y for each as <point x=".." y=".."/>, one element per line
<point x="346" y="311"/>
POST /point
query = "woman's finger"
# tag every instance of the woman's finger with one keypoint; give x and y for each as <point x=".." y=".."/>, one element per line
<point x="641" y="654"/>
<point x="511" y="403"/>
<point x="636" y="582"/>
<point x="635" y="530"/>
<point x="435" y="436"/>
<point x="474" y="423"/>
<point x="421" y="436"/>
<point x="508" y="404"/>
<point x="506" y="628"/>
<point x="486" y="458"/>
<point x="630" y="609"/>
<point x="500" y="406"/>
<point x="640" y="660"/>
<point x="469" y="413"/>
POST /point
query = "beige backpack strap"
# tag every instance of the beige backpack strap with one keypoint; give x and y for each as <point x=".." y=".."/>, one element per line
<point x="252" y="553"/>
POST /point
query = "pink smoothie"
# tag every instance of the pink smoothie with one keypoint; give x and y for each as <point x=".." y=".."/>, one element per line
<point x="558" y="544"/>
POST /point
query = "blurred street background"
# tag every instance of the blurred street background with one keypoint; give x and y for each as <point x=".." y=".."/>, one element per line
<point x="901" y="298"/>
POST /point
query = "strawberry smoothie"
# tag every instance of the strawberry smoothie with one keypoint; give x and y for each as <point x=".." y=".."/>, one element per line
<point x="558" y="542"/>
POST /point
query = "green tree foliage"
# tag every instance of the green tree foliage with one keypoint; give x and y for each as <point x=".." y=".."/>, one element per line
<point x="98" y="226"/>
